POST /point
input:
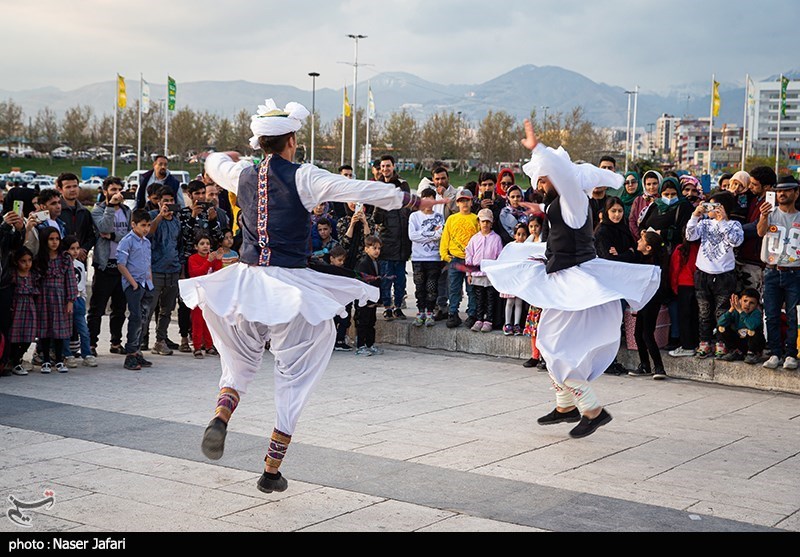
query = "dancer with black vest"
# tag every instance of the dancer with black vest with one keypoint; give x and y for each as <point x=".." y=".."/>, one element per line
<point x="578" y="292"/>
<point x="272" y="294"/>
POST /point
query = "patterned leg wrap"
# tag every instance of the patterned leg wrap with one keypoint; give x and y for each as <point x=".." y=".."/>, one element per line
<point x="277" y="448"/>
<point x="583" y="394"/>
<point x="226" y="404"/>
<point x="564" y="398"/>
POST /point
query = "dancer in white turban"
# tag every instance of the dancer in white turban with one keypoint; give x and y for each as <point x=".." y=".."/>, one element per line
<point x="272" y="294"/>
<point x="578" y="292"/>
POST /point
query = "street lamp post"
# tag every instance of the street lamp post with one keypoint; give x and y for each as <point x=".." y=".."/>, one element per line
<point x="355" y="96"/>
<point x="313" y="76"/>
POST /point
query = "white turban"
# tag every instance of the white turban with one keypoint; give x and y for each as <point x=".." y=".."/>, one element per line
<point x="270" y="121"/>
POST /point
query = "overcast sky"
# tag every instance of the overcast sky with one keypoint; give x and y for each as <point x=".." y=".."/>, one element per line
<point x="69" y="44"/>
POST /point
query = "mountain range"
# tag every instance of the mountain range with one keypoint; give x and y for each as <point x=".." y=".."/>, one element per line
<point x="516" y="92"/>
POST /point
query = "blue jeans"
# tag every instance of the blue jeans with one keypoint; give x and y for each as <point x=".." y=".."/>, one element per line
<point x="397" y="269"/>
<point x="138" y="308"/>
<point x="781" y="288"/>
<point x="456" y="279"/>
<point x="81" y="327"/>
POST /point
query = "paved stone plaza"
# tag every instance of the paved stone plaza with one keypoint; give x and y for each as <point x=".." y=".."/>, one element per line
<point x="414" y="440"/>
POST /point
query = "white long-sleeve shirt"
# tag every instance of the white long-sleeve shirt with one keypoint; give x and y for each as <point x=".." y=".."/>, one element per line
<point x="717" y="240"/>
<point x="425" y="233"/>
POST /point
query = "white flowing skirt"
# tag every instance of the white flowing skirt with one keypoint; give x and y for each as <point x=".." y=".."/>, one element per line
<point x="274" y="295"/>
<point x="579" y="329"/>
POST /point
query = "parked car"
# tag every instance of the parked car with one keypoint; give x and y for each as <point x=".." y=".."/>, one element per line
<point x="92" y="183"/>
<point x="43" y="182"/>
<point x="128" y="157"/>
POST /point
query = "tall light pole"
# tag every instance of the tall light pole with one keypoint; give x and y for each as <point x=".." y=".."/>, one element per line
<point x="628" y="132"/>
<point x="313" y="76"/>
<point x="355" y="97"/>
<point x="635" y="113"/>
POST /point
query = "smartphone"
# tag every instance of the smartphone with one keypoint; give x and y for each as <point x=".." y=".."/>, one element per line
<point x="204" y="204"/>
<point x="18" y="207"/>
<point x="359" y="207"/>
<point x="771" y="198"/>
<point x="173" y="207"/>
<point x="42" y="216"/>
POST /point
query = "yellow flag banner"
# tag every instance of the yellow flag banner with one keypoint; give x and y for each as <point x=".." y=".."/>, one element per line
<point x="122" y="97"/>
<point x="717" y="100"/>
<point x="347" y="111"/>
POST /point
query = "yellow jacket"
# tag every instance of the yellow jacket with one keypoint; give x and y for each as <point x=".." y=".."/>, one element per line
<point x="458" y="230"/>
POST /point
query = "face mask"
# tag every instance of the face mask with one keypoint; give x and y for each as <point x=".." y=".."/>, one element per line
<point x="669" y="202"/>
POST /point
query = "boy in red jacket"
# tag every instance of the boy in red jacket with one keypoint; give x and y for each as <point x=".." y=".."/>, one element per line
<point x="681" y="273"/>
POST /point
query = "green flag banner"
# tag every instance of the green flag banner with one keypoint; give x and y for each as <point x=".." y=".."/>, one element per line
<point x="784" y="85"/>
<point x="171" y="89"/>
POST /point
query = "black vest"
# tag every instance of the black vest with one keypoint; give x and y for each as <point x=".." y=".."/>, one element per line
<point x="567" y="247"/>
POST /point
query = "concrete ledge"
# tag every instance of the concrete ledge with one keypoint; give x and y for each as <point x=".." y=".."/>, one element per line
<point x="495" y="344"/>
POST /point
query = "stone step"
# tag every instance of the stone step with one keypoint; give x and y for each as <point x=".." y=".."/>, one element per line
<point x="495" y="344"/>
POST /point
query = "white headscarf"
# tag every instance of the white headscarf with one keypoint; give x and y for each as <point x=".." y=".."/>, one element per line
<point x="270" y="121"/>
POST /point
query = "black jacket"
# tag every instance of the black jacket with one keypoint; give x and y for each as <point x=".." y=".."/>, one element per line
<point x="141" y="191"/>
<point x="78" y="221"/>
<point x="618" y="236"/>
<point x="393" y="228"/>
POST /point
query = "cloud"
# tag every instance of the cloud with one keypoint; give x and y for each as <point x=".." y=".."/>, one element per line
<point x="654" y="44"/>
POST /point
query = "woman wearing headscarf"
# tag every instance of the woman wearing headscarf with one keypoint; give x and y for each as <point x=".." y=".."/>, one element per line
<point x="512" y="214"/>
<point x="739" y="186"/>
<point x="632" y="190"/>
<point x="669" y="214"/>
<point x="652" y="185"/>
<point x="612" y="237"/>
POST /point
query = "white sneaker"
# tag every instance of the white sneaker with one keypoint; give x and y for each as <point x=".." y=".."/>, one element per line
<point x="19" y="370"/>
<point x="376" y="351"/>
<point x="46" y="367"/>
<point x="61" y="367"/>
<point x="90" y="361"/>
<point x="680" y="351"/>
<point x="790" y="363"/>
<point x="774" y="362"/>
<point x="71" y="362"/>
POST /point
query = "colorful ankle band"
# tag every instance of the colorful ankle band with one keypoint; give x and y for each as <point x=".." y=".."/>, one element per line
<point x="277" y="448"/>
<point x="226" y="404"/>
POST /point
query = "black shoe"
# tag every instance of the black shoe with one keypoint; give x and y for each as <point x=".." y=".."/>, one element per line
<point x="342" y="347"/>
<point x="388" y="315"/>
<point x="542" y="365"/>
<point x="213" y="444"/>
<point x="116" y="349"/>
<point x="93" y="351"/>
<point x="398" y="314"/>
<point x="470" y="321"/>
<point x="556" y="417"/>
<point x="533" y="362"/>
<point x="172" y="345"/>
<point x="440" y="315"/>
<point x="640" y="371"/>
<point x="132" y="362"/>
<point x="587" y="426"/>
<point x="616" y="368"/>
<point x="732" y="356"/>
<point x="659" y="374"/>
<point x="269" y="483"/>
<point x="453" y="321"/>
<point x="142" y="361"/>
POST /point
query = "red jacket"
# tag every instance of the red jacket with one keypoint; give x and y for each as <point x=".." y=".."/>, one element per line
<point x="200" y="266"/>
<point x="681" y="274"/>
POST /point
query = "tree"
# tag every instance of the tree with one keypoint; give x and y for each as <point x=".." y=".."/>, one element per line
<point x="572" y="131"/>
<point x="45" y="132"/>
<point x="333" y="145"/>
<point x="443" y="136"/>
<point x="497" y="136"/>
<point x="75" y="130"/>
<point x="102" y="130"/>
<point x="186" y="131"/>
<point x="11" y="126"/>
<point x="224" y="138"/>
<point x="401" y="135"/>
<point x="304" y="136"/>
<point x="242" y="133"/>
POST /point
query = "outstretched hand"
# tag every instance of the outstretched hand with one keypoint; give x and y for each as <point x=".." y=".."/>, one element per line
<point x="532" y="208"/>
<point x="429" y="202"/>
<point x="531" y="141"/>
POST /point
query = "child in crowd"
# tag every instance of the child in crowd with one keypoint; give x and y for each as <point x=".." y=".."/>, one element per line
<point x="326" y="239"/>
<point x="229" y="256"/>
<point x="24" y="314"/>
<point x="651" y="250"/>
<point x="514" y="304"/>
<point x="458" y="231"/>
<point x="486" y="244"/>
<point x="535" y="224"/>
<point x="338" y="256"/>
<point x="319" y="213"/>
<point x="741" y="328"/>
<point x="57" y="293"/>
<point x="683" y="265"/>
<point x="203" y="262"/>
<point x="71" y="245"/>
<point x="366" y="315"/>
<point x="715" y="279"/>
<point x="134" y="264"/>
<point x="425" y="229"/>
